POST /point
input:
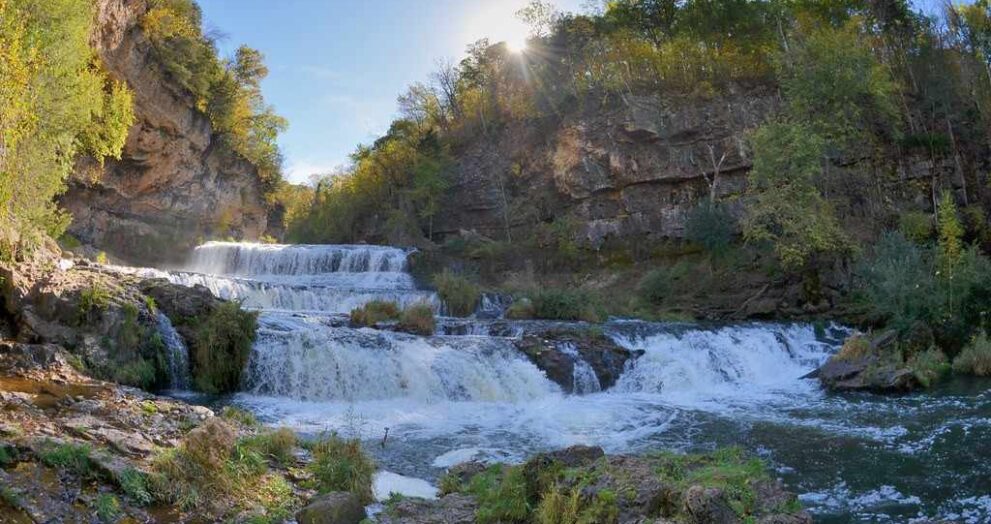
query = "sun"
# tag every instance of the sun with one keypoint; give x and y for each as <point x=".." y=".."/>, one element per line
<point x="516" y="45"/>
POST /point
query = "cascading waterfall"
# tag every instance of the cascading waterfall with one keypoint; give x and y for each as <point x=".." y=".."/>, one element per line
<point x="468" y="392"/>
<point x="177" y="354"/>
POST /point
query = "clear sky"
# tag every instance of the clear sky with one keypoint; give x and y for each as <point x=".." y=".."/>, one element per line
<point x="337" y="66"/>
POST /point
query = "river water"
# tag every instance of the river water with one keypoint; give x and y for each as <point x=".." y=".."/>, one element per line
<point x="470" y="394"/>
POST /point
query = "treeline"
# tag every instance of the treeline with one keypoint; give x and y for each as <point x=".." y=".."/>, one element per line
<point x="56" y="102"/>
<point x="863" y="81"/>
<point x="226" y="90"/>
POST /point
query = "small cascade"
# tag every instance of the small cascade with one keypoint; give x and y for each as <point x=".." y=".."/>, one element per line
<point x="686" y="362"/>
<point x="303" y="358"/>
<point x="177" y="354"/>
<point x="584" y="380"/>
<point x="244" y="259"/>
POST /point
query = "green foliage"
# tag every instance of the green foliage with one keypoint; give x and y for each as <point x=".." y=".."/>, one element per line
<point x="277" y="445"/>
<point x="501" y="495"/>
<point x="566" y="304"/>
<point x="341" y="465"/>
<point x="459" y="294"/>
<point x="834" y="83"/>
<point x="521" y="309"/>
<point x="7" y="455"/>
<point x="787" y="208"/>
<point x="228" y="92"/>
<point x="950" y="234"/>
<point x="655" y="287"/>
<point x="711" y="226"/>
<point x="904" y="286"/>
<point x="134" y="483"/>
<point x="139" y="373"/>
<point x="107" y="508"/>
<point x="728" y="469"/>
<point x="94" y="298"/>
<point x="929" y="366"/>
<point x="74" y="458"/>
<point x="222" y="347"/>
<point x="375" y="312"/>
<point x="572" y="507"/>
<point x="418" y="319"/>
<point x="915" y="226"/>
<point x="975" y="359"/>
<point x="57" y="103"/>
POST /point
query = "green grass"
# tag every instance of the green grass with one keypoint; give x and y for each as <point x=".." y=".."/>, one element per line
<point x="929" y="367"/>
<point x="222" y="347"/>
<point x="975" y="359"/>
<point x="74" y="458"/>
<point x="276" y="445"/>
<point x="341" y="465"/>
<point x="134" y="484"/>
<point x="107" y="508"/>
<point x="501" y="494"/>
<point x="566" y="304"/>
<point x="10" y="496"/>
<point x="728" y="469"/>
<point x="374" y="312"/>
<point x="459" y="294"/>
<point x="418" y="319"/>
<point x="6" y="455"/>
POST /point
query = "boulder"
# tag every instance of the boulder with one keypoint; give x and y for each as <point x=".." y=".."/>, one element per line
<point x="558" y="352"/>
<point x="867" y="373"/>
<point x="333" y="508"/>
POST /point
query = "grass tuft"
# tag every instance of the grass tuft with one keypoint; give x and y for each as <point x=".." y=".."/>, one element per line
<point x="341" y="465"/>
<point x="975" y="359"/>
<point x="374" y="312"/>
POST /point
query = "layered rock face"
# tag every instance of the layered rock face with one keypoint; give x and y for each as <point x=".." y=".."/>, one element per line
<point x="175" y="183"/>
<point x="634" y="167"/>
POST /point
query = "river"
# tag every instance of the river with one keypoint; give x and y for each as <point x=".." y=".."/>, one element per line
<point x="468" y="393"/>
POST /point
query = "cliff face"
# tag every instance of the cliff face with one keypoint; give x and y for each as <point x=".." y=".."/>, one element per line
<point x="175" y="183"/>
<point x="633" y="168"/>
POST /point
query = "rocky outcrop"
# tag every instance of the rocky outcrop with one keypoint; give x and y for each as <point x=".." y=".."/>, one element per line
<point x="594" y="487"/>
<point x="562" y="355"/>
<point x="633" y="167"/>
<point x="176" y="183"/>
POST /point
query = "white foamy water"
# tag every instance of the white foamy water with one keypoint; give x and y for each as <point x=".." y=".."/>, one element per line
<point x="177" y="353"/>
<point x="469" y="394"/>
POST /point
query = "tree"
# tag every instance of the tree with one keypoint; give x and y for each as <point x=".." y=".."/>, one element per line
<point x="56" y="103"/>
<point x="786" y="206"/>
<point x="950" y="234"/>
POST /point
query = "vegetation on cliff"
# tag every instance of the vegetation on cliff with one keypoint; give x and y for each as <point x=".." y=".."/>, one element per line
<point x="228" y="91"/>
<point x="57" y="102"/>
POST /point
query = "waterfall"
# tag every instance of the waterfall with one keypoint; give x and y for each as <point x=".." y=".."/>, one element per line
<point x="689" y="362"/>
<point x="583" y="377"/>
<point x="303" y="359"/>
<point x="230" y="258"/>
<point x="176" y="353"/>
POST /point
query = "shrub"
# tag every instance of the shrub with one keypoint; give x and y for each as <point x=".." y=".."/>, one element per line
<point x="418" y="319"/>
<point x="277" y="445"/>
<point x="94" y="298"/>
<point x="222" y="347"/>
<point x="711" y="226"/>
<point x="501" y="495"/>
<point x="975" y="359"/>
<point x="139" y="373"/>
<point x="655" y="287"/>
<point x="196" y="468"/>
<point x="107" y="508"/>
<point x="571" y="507"/>
<point x="561" y="304"/>
<point x="341" y="465"/>
<point x="915" y="226"/>
<point x="74" y="458"/>
<point x="459" y="294"/>
<point x="929" y="366"/>
<point x="855" y="347"/>
<point x="374" y="312"/>
<point x="6" y="455"/>
<point x="521" y="309"/>
<point x="134" y="483"/>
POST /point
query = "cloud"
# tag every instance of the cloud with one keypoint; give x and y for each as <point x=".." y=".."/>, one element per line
<point x="300" y="171"/>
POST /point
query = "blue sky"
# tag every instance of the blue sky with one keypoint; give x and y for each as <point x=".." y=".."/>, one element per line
<point x="337" y="66"/>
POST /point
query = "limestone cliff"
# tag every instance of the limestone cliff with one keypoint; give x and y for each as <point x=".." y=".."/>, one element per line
<point x="176" y="183"/>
